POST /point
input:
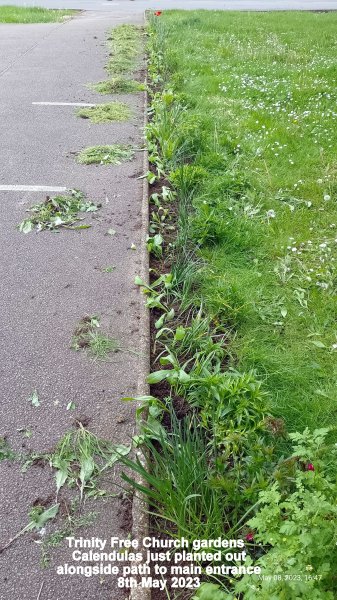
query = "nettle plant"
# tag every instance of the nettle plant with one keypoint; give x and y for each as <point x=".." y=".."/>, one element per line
<point x="298" y="528"/>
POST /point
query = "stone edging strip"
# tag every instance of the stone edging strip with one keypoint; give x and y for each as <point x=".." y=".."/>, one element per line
<point x="140" y="517"/>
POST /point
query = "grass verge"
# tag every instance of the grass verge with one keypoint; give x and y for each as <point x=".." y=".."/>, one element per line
<point x="32" y="14"/>
<point x="242" y="143"/>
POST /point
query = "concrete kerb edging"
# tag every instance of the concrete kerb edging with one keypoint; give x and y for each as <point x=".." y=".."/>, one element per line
<point x="140" y="516"/>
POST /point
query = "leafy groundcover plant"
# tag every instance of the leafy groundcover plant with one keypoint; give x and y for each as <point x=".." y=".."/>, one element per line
<point x="244" y="365"/>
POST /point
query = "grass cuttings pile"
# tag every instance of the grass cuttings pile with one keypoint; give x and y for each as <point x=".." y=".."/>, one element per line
<point x="103" y="113"/>
<point x="106" y="155"/>
<point x="124" y="45"/>
<point x="117" y="85"/>
<point x="57" y="212"/>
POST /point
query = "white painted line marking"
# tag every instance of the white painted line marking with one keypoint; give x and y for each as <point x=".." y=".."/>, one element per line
<point x="32" y="188"/>
<point x="64" y="104"/>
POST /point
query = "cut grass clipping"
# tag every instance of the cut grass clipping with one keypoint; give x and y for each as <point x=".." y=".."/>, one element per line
<point x="103" y="113"/>
<point x="124" y="43"/>
<point x="105" y="155"/>
<point x="33" y="14"/>
<point x="117" y="85"/>
<point x="97" y="344"/>
<point x="57" y="212"/>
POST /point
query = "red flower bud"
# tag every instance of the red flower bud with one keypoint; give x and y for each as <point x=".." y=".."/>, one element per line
<point x="310" y="467"/>
<point x="157" y="13"/>
<point x="250" y="537"/>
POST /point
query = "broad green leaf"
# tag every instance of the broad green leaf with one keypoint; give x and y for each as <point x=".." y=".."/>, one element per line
<point x="179" y="333"/>
<point x="318" y="344"/>
<point x="39" y="520"/>
<point x="61" y="478"/>
<point x="158" y="376"/>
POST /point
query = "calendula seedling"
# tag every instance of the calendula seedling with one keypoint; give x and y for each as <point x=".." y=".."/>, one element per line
<point x="57" y="212"/>
<point x="105" y="155"/>
<point x="103" y="113"/>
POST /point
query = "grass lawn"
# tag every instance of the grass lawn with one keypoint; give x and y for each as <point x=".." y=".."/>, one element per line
<point x="260" y="124"/>
<point x="33" y="14"/>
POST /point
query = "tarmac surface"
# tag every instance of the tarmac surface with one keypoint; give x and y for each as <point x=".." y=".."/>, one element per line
<point x="49" y="281"/>
<point x="139" y="6"/>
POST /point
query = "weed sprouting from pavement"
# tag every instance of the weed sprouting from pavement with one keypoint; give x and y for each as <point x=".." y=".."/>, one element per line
<point x="100" y="345"/>
<point x="103" y="113"/>
<point x="106" y="155"/>
<point x="6" y="452"/>
<point x="117" y="85"/>
<point x="57" y="212"/>
<point x="96" y="343"/>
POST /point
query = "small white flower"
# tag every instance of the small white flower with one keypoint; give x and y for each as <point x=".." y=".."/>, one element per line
<point x="327" y="197"/>
<point x="271" y="214"/>
<point x="319" y="181"/>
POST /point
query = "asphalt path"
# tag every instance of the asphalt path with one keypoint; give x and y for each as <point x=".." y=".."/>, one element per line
<point x="49" y="281"/>
<point x="139" y="6"/>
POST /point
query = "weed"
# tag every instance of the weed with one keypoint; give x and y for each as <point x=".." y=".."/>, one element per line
<point x="210" y="591"/>
<point x="117" y="85"/>
<point x="57" y="212"/>
<point x="96" y="343"/>
<point x="72" y="523"/>
<point x="297" y="529"/>
<point x="105" y="155"/>
<point x="100" y="345"/>
<point x="103" y="113"/>
<point x="38" y="517"/>
<point x="80" y="458"/>
<point x="6" y="453"/>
